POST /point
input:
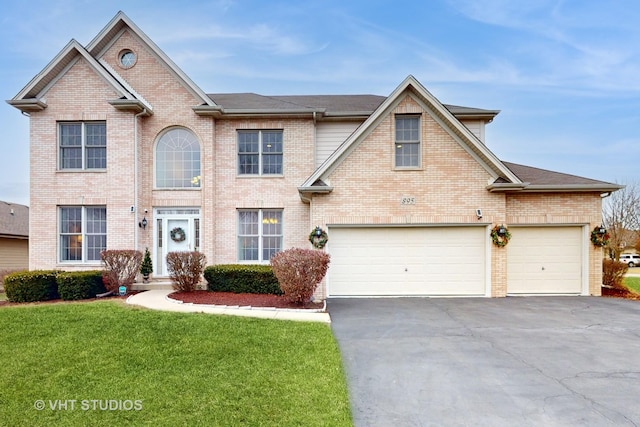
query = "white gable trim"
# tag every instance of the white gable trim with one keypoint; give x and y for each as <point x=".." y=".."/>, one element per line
<point x="461" y="133"/>
<point x="59" y="66"/>
<point x="116" y="26"/>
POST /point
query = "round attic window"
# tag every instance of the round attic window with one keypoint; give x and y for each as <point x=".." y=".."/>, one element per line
<point x="127" y="59"/>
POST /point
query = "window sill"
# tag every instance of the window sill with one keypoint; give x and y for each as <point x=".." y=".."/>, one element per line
<point x="81" y="170"/>
<point x="259" y="176"/>
<point x="178" y="189"/>
<point x="408" y="168"/>
<point x="78" y="263"/>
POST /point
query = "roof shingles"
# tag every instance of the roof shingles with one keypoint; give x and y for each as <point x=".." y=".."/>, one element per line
<point x="14" y="220"/>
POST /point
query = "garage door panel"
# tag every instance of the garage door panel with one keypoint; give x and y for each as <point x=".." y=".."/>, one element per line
<point x="407" y="261"/>
<point x="545" y="260"/>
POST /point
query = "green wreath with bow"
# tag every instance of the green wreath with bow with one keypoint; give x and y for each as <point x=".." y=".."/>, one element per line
<point x="500" y="235"/>
<point x="598" y="238"/>
<point x="178" y="234"/>
<point x="318" y="238"/>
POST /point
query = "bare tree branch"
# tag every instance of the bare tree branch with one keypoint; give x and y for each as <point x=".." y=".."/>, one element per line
<point x="621" y="217"/>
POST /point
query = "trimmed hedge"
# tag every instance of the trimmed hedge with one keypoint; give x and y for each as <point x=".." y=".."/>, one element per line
<point x="75" y="285"/>
<point x="242" y="278"/>
<point x="31" y="286"/>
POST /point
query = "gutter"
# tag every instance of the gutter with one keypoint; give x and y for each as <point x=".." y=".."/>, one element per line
<point x="307" y="192"/>
<point x="526" y="187"/>
<point x="135" y="175"/>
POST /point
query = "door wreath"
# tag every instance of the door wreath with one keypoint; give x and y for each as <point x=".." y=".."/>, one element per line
<point x="178" y="234"/>
<point x="599" y="237"/>
<point x="500" y="235"/>
<point x="318" y="238"/>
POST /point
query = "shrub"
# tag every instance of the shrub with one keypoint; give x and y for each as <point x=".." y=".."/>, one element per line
<point x="146" y="268"/>
<point x="299" y="271"/>
<point x="613" y="273"/>
<point x="185" y="269"/>
<point x="5" y="272"/>
<point x="120" y="268"/>
<point x="242" y="278"/>
<point x="75" y="285"/>
<point x="30" y="286"/>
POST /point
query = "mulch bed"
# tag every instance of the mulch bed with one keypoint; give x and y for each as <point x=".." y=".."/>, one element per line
<point x="242" y="300"/>
<point x="619" y="293"/>
<point x="267" y="300"/>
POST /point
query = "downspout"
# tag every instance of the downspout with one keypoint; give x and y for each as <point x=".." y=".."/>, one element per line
<point x="135" y="177"/>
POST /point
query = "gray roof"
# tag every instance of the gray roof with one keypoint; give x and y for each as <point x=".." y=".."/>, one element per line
<point x="541" y="177"/>
<point x="327" y="104"/>
<point x="14" y="220"/>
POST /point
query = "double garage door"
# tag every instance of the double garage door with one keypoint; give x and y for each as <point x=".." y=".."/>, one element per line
<point x="443" y="261"/>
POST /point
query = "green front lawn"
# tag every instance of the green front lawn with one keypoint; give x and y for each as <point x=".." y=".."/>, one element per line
<point x="103" y="363"/>
<point x="633" y="283"/>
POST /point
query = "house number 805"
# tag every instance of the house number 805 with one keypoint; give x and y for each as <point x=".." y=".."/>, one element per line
<point x="408" y="201"/>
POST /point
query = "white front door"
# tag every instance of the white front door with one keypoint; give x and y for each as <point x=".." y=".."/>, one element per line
<point x="178" y="230"/>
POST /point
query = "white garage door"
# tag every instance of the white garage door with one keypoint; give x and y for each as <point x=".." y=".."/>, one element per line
<point x="544" y="260"/>
<point x="407" y="261"/>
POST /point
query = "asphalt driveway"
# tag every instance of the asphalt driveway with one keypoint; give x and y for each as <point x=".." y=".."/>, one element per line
<point x="526" y="361"/>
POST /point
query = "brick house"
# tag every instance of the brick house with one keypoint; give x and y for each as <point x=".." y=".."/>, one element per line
<point x="128" y="152"/>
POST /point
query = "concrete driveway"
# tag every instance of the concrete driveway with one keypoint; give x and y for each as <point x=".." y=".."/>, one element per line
<point x="526" y="361"/>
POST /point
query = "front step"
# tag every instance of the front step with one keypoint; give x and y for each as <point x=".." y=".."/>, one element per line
<point x="160" y="284"/>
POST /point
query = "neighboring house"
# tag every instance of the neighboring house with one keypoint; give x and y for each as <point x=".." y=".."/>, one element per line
<point x="127" y="152"/>
<point x="14" y="236"/>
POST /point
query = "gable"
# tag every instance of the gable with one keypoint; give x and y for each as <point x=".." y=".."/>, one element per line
<point x="368" y="180"/>
<point x="427" y="103"/>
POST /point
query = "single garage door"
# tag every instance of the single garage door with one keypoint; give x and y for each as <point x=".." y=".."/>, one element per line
<point x="396" y="261"/>
<point x="545" y="260"/>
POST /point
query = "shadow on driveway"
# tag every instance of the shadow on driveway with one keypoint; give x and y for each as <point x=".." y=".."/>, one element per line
<point x="552" y="361"/>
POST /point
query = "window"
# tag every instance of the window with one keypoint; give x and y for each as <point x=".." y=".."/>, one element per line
<point x="178" y="160"/>
<point x="259" y="234"/>
<point x="83" y="145"/>
<point x="127" y="59"/>
<point x="407" y="141"/>
<point x="83" y="233"/>
<point x="260" y="152"/>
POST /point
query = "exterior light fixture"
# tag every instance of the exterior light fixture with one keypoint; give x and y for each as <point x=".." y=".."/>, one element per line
<point x="602" y="231"/>
<point x="318" y="231"/>
<point x="143" y="224"/>
<point x="502" y="230"/>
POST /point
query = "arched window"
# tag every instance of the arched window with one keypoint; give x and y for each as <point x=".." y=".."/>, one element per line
<point x="178" y="160"/>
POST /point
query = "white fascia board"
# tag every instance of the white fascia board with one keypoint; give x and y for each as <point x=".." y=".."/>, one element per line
<point x="410" y="82"/>
<point x="121" y="17"/>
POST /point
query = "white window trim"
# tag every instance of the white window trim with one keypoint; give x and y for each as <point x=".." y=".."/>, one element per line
<point x="83" y="233"/>
<point x="83" y="146"/>
<point x="260" y="235"/>
<point x="418" y="142"/>
<point x="196" y="181"/>
<point x="260" y="154"/>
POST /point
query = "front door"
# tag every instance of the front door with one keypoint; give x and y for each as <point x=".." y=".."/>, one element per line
<point x="178" y="230"/>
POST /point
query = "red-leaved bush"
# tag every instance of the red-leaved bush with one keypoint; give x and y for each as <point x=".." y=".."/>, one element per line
<point x="120" y="268"/>
<point x="185" y="269"/>
<point x="299" y="271"/>
<point x="613" y="272"/>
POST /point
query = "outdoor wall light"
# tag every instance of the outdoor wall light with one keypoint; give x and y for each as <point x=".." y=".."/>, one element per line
<point x="318" y="231"/>
<point x="502" y="230"/>
<point x="602" y="231"/>
<point x="143" y="224"/>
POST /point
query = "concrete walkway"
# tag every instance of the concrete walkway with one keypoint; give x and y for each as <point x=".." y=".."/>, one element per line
<point x="159" y="300"/>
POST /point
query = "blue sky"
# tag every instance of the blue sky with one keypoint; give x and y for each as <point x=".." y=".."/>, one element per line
<point x="565" y="74"/>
